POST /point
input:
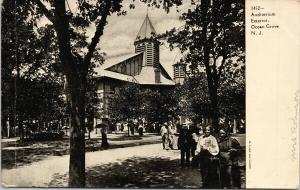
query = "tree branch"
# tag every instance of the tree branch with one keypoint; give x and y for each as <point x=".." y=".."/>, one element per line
<point x="97" y="35"/>
<point x="63" y="39"/>
<point x="46" y="12"/>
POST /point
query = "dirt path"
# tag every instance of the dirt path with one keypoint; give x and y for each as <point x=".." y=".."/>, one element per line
<point x="16" y="154"/>
<point x="145" y="166"/>
<point x="41" y="173"/>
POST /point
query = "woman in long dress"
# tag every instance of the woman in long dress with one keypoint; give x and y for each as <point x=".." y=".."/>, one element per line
<point x="229" y="152"/>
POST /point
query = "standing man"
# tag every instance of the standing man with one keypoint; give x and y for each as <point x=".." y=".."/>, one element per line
<point x="141" y="128"/>
<point x="164" y="135"/>
<point x="184" y="144"/>
<point x="130" y="127"/>
<point x="104" y="144"/>
<point x="208" y="148"/>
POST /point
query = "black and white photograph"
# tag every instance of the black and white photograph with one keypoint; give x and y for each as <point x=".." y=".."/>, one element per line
<point x="123" y="94"/>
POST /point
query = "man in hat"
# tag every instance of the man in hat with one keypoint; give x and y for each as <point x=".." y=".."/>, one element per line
<point x="184" y="144"/>
<point x="164" y="135"/>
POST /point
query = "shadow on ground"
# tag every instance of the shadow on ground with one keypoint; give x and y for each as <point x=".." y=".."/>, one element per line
<point x="19" y="154"/>
<point x="125" y="138"/>
<point x="136" y="172"/>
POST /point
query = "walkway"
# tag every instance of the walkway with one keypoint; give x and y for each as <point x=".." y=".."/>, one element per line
<point x="110" y="168"/>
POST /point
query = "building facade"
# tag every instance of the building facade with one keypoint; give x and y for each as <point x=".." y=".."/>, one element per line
<point x="142" y="67"/>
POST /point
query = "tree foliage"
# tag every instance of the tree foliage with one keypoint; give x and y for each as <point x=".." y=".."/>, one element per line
<point x="195" y="97"/>
<point x="127" y="104"/>
<point x="161" y="105"/>
<point x="156" y="106"/>
<point x="213" y="34"/>
<point x="31" y="91"/>
<point x="232" y="90"/>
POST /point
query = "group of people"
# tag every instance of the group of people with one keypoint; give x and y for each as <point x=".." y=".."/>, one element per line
<point x="139" y="127"/>
<point x="167" y="132"/>
<point x="217" y="156"/>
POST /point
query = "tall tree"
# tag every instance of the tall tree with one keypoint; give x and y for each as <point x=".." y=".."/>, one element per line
<point x="24" y="63"/>
<point x="127" y="104"/>
<point x="160" y="105"/>
<point x="213" y="34"/>
<point x="194" y="92"/>
<point x="195" y="96"/>
<point x="92" y="106"/>
<point x="232" y="90"/>
<point x="75" y="62"/>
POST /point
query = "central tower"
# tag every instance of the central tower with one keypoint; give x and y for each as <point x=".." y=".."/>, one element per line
<point x="146" y="43"/>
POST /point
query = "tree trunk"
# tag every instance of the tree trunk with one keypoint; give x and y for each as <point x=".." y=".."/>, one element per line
<point x="5" y="126"/>
<point x="77" y="140"/>
<point x="234" y="130"/>
<point x="159" y="126"/>
<point x="213" y="92"/>
<point x="76" y="80"/>
<point x="8" y="127"/>
<point x="215" y="110"/>
<point x="212" y="79"/>
<point x="128" y="130"/>
<point x="20" y="122"/>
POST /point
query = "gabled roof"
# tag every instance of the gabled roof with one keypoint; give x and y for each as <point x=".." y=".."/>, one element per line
<point x="147" y="30"/>
<point x="114" y="75"/>
<point x="102" y="71"/>
<point x="147" y="77"/>
<point x="114" y="61"/>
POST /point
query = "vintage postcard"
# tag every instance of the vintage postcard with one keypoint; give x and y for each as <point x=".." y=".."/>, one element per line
<point x="150" y="93"/>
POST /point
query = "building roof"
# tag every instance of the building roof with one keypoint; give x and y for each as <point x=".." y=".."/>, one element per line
<point x="147" y="73"/>
<point x="118" y="59"/>
<point x="114" y="75"/>
<point x="147" y="77"/>
<point x="147" y="30"/>
<point x="179" y="63"/>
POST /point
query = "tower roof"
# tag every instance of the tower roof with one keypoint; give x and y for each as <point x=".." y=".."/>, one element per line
<point x="146" y="30"/>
